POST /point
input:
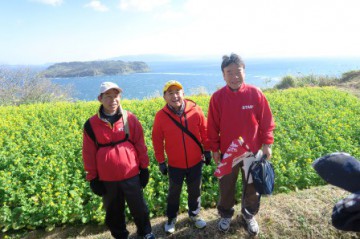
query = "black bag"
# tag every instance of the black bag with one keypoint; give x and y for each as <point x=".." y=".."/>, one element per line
<point x="263" y="176"/>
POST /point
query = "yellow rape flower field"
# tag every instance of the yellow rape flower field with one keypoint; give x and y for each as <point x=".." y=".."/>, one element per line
<point x="42" y="183"/>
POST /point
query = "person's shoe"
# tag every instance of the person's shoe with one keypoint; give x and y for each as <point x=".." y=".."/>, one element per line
<point x="252" y="226"/>
<point x="170" y="225"/>
<point x="198" y="221"/>
<point x="149" y="236"/>
<point x="224" y="224"/>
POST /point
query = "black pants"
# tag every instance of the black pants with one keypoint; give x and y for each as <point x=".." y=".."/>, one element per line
<point x="117" y="193"/>
<point x="193" y="182"/>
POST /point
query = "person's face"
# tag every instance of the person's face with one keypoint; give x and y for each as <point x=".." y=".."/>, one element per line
<point x="174" y="96"/>
<point x="234" y="76"/>
<point x="110" y="101"/>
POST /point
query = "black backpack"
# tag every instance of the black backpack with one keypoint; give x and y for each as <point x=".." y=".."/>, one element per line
<point x="90" y="132"/>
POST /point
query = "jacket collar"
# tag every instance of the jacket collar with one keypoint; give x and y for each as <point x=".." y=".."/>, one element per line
<point x="188" y="105"/>
<point x="241" y="89"/>
<point x="177" y="112"/>
<point x="104" y="117"/>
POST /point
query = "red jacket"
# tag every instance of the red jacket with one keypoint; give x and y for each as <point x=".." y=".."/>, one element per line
<point x="181" y="150"/>
<point x="119" y="162"/>
<point x="244" y="113"/>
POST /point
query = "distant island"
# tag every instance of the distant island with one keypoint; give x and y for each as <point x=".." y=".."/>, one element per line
<point x="94" y="68"/>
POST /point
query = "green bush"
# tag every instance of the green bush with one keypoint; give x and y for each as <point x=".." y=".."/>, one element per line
<point x="304" y="81"/>
<point x="286" y="82"/>
<point x="26" y="86"/>
<point x="311" y="122"/>
<point x="42" y="181"/>
<point x="348" y="76"/>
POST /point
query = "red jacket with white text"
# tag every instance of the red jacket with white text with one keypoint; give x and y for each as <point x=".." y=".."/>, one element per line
<point x="244" y="113"/>
<point x="118" y="162"/>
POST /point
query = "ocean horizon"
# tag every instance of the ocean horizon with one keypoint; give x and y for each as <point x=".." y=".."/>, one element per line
<point x="205" y="76"/>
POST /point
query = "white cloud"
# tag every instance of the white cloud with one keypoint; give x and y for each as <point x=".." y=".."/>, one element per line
<point x="50" y="2"/>
<point x="269" y="28"/>
<point x="170" y="15"/>
<point x="97" y="6"/>
<point x="141" y="5"/>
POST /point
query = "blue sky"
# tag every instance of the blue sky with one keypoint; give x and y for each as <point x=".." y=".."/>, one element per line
<point x="46" y="31"/>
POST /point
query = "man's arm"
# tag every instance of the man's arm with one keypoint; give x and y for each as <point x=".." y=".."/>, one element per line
<point x="89" y="150"/>
<point x="203" y="131"/>
<point x="213" y="129"/>
<point x="267" y="125"/>
<point x="157" y="137"/>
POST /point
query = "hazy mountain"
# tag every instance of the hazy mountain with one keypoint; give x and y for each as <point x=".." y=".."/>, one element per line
<point x="94" y="68"/>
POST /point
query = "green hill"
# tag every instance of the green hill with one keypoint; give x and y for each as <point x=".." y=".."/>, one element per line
<point x="94" y="68"/>
<point x="350" y="81"/>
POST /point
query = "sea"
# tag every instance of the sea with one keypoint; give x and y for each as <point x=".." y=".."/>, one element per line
<point x="205" y="76"/>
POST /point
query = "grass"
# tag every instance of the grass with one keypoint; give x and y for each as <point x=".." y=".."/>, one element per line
<point x="302" y="214"/>
<point x="351" y="85"/>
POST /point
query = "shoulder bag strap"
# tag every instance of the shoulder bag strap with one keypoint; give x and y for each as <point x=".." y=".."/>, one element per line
<point x="186" y="131"/>
<point x="126" y="124"/>
<point x="88" y="129"/>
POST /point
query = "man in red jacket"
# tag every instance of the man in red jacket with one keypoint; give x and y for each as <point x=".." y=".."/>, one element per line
<point x="184" y="152"/>
<point x="116" y="163"/>
<point x="238" y="109"/>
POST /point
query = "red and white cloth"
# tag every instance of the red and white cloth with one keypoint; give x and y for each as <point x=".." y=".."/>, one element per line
<point x="233" y="155"/>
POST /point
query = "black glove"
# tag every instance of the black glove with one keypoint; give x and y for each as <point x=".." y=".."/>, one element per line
<point x="144" y="177"/>
<point x="339" y="169"/>
<point x="163" y="168"/>
<point x="97" y="187"/>
<point x="207" y="155"/>
<point x="346" y="213"/>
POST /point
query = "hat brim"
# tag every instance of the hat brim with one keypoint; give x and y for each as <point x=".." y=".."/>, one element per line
<point x="174" y="84"/>
<point x="116" y="88"/>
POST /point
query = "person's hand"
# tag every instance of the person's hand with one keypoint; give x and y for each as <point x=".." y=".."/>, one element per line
<point x="97" y="187"/>
<point x="207" y="155"/>
<point x="163" y="168"/>
<point x="144" y="177"/>
<point x="267" y="150"/>
<point x="216" y="156"/>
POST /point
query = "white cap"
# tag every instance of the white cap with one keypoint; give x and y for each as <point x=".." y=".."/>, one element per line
<point x="105" y="86"/>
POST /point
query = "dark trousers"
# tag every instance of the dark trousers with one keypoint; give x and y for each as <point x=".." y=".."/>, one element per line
<point x="193" y="182"/>
<point x="250" y="203"/>
<point x="119" y="192"/>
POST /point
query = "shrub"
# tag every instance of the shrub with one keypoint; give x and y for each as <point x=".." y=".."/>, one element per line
<point x="201" y="90"/>
<point x="311" y="122"/>
<point x="315" y="80"/>
<point x="327" y="81"/>
<point x="304" y="81"/>
<point x="347" y="76"/>
<point x="24" y="86"/>
<point x="286" y="82"/>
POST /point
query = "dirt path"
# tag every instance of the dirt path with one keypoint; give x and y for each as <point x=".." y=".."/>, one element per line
<point x="303" y="214"/>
